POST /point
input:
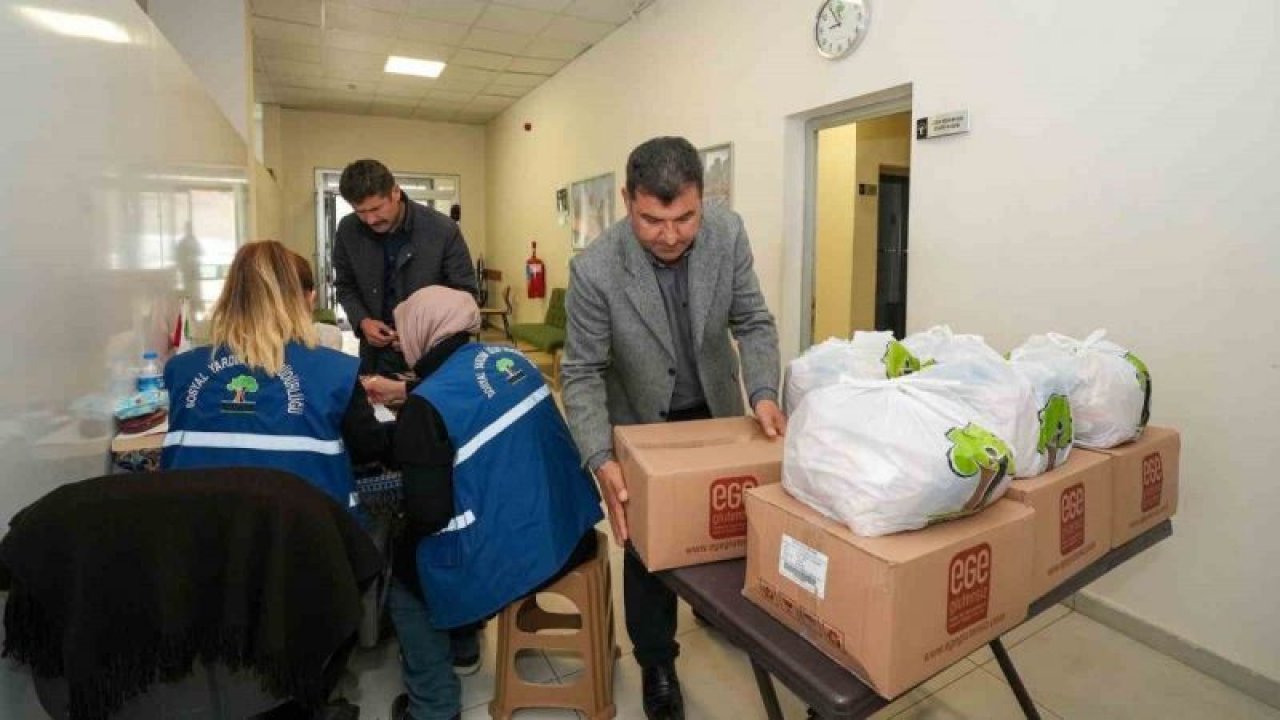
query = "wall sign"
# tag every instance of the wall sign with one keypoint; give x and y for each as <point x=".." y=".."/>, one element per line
<point x="948" y="123"/>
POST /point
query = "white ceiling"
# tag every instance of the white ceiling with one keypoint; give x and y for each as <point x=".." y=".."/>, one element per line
<point x="329" y="54"/>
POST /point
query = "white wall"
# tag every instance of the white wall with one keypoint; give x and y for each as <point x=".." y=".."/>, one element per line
<point x="213" y="38"/>
<point x="1120" y="173"/>
<point x="93" y="133"/>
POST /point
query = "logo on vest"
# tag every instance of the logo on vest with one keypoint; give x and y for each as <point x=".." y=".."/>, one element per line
<point x="240" y="386"/>
<point x="1071" y="509"/>
<point x="968" y="587"/>
<point x="728" y="517"/>
<point x="1152" y="481"/>
<point x="505" y="365"/>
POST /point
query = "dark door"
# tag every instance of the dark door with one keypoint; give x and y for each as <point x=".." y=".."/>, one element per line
<point x="891" y="255"/>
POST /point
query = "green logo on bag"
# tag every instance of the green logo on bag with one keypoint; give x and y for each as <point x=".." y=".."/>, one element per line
<point x="240" y="385"/>
<point x="1144" y="382"/>
<point x="1056" y="431"/>
<point x="977" y="451"/>
<point x="899" y="361"/>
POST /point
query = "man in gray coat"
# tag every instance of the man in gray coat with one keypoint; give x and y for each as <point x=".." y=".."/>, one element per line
<point x="385" y="251"/>
<point x="651" y="307"/>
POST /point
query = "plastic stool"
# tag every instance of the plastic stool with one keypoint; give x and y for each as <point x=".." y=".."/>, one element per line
<point x="520" y="627"/>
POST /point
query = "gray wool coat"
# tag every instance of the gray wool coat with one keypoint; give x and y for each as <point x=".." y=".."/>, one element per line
<point x="618" y="354"/>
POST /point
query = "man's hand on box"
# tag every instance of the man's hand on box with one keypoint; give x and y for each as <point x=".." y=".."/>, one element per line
<point x="771" y="418"/>
<point x="614" y="489"/>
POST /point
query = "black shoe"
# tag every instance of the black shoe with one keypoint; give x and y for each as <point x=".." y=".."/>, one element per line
<point x="662" y="698"/>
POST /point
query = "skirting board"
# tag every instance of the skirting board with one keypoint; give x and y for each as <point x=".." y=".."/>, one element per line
<point x="1259" y="687"/>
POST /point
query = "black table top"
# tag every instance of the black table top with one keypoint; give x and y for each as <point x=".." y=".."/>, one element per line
<point x="715" y="592"/>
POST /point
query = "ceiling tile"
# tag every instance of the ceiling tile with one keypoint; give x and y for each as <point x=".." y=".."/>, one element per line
<point x="382" y="99"/>
<point x="407" y="85"/>
<point x="285" y="51"/>
<point x="290" y="96"/>
<point x="348" y="63"/>
<point x="450" y="96"/>
<point x="554" y="49"/>
<point x="423" y="51"/>
<point x="465" y="78"/>
<point x="494" y="41"/>
<point x="433" y="104"/>
<point x="514" y="20"/>
<point x="506" y="90"/>
<point x="359" y="20"/>
<point x="610" y="11"/>
<point x="396" y="111"/>
<point x="348" y="91"/>
<point x="552" y="6"/>
<point x="307" y="12"/>
<point x="535" y="65"/>
<point x="478" y="59"/>
<point x="434" y="114"/>
<point x="276" y="67"/>
<point x="349" y="108"/>
<point x="473" y="117"/>
<point x="490" y="102"/>
<point x="267" y="29"/>
<point x="361" y="42"/>
<point x="308" y="82"/>
<point x="417" y="29"/>
<point x="391" y="6"/>
<point x="463" y="12"/>
<point x="520" y="79"/>
<point x="574" y="29"/>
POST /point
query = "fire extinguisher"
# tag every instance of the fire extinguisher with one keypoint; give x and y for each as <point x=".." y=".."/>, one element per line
<point x="535" y="274"/>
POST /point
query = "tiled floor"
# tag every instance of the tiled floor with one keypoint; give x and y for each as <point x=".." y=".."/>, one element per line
<point x="1074" y="668"/>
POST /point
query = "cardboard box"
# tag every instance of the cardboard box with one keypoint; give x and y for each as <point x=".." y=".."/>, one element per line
<point x="895" y="609"/>
<point x="1144" y="482"/>
<point x="686" y="481"/>
<point x="1073" y="517"/>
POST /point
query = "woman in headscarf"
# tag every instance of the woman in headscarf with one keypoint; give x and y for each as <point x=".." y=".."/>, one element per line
<point x="263" y="394"/>
<point x="497" y="503"/>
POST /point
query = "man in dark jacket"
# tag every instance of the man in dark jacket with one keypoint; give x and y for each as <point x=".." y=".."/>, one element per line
<point x="386" y="250"/>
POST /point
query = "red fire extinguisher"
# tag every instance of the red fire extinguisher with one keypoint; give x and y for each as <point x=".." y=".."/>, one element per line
<point x="535" y="274"/>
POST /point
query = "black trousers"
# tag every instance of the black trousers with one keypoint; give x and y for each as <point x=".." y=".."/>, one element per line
<point x="649" y="605"/>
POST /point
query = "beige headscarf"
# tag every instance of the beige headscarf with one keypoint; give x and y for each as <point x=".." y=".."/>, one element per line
<point x="431" y="315"/>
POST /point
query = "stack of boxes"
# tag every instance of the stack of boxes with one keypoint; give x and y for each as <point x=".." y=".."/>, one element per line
<point x="895" y="609"/>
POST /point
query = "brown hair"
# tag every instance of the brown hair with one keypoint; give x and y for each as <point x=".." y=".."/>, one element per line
<point x="305" y="276"/>
<point x="262" y="307"/>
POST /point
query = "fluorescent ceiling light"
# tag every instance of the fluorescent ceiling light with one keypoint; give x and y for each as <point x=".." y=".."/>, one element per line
<point x="73" y="25"/>
<point x="413" y="66"/>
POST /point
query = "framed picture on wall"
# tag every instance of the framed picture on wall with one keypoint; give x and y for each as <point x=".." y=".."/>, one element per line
<point x="590" y="209"/>
<point x="717" y="175"/>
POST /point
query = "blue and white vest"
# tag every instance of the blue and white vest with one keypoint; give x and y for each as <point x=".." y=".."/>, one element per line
<point x="522" y="500"/>
<point x="222" y="414"/>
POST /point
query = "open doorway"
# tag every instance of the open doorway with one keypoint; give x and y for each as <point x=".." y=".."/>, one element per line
<point x="861" y="188"/>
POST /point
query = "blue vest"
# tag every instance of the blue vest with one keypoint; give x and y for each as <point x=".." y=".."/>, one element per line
<point x="221" y="414"/>
<point x="522" y="500"/>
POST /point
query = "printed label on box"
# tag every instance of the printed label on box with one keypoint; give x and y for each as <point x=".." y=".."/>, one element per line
<point x="803" y="566"/>
<point x="1152" y="481"/>
<point x="727" y="513"/>
<point x="1071" y="510"/>
<point x="968" y="587"/>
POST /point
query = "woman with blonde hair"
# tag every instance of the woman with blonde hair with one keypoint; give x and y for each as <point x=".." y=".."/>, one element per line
<point x="263" y="394"/>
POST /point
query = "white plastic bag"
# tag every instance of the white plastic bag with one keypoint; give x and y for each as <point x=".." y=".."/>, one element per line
<point x="1112" y="402"/>
<point x="1054" y="373"/>
<point x="884" y="456"/>
<point x="825" y="363"/>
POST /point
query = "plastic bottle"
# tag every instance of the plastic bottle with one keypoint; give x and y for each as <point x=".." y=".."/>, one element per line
<point x="149" y="376"/>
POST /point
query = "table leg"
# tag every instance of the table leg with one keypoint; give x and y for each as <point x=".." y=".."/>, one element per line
<point x="1015" y="682"/>
<point x="767" y="694"/>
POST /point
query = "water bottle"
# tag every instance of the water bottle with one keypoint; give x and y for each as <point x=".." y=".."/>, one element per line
<point x="150" y="377"/>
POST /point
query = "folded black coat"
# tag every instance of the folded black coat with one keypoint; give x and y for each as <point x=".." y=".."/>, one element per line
<point x="121" y="581"/>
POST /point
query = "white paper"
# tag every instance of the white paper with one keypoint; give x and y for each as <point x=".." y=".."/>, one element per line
<point x="803" y="566"/>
